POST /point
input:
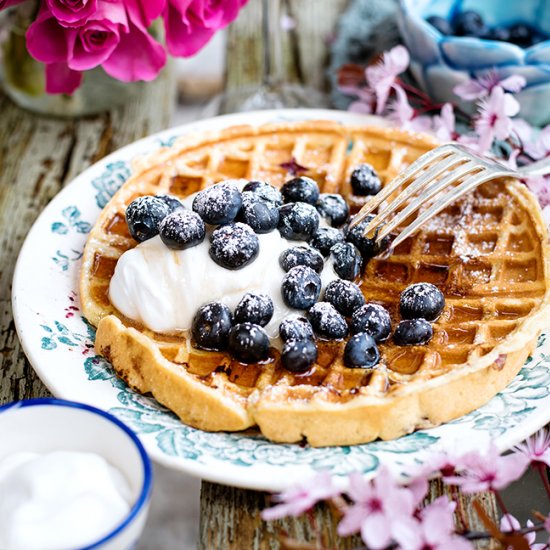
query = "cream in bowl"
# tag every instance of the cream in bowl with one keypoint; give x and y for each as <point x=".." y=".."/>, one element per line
<point x="71" y="477"/>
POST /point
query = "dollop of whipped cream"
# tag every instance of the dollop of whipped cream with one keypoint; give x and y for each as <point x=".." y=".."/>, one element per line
<point x="59" y="500"/>
<point x="163" y="289"/>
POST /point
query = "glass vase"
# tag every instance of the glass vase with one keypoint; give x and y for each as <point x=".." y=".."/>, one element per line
<point x="23" y="78"/>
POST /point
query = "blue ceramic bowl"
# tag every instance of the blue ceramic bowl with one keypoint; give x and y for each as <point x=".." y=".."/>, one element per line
<point x="45" y="425"/>
<point x="441" y="62"/>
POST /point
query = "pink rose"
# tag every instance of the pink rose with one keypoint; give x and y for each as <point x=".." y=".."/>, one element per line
<point x="72" y="12"/>
<point x="190" y="24"/>
<point x="115" y="37"/>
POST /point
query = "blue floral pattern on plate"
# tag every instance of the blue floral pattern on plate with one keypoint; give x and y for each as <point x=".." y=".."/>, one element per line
<point x="59" y="344"/>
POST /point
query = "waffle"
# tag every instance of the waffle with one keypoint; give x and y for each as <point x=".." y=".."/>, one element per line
<point x="487" y="252"/>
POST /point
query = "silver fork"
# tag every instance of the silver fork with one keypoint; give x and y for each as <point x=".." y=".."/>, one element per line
<point x="429" y="176"/>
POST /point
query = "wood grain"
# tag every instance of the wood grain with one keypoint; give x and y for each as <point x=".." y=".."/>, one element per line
<point x="38" y="157"/>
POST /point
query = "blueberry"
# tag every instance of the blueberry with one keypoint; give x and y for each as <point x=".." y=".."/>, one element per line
<point x="173" y="202"/>
<point x="211" y="325"/>
<point x="334" y="208"/>
<point x="182" y="229"/>
<point x="345" y="296"/>
<point x="261" y="215"/>
<point x="469" y="23"/>
<point x="219" y="203"/>
<point x="144" y="215"/>
<point x="522" y="35"/>
<point x="365" y="181"/>
<point x="300" y="189"/>
<point x="500" y="33"/>
<point x="298" y="221"/>
<point x="248" y="343"/>
<point x="295" y="328"/>
<point x="265" y="191"/>
<point x="346" y="260"/>
<point x="299" y="355"/>
<point x="367" y="246"/>
<point x="412" y="332"/>
<point x="327" y="322"/>
<point x="441" y="24"/>
<point x="234" y="245"/>
<point x="301" y="287"/>
<point x="421" y="300"/>
<point x="325" y="238"/>
<point x="372" y="319"/>
<point x="254" y="308"/>
<point x="361" y="351"/>
<point x="301" y="255"/>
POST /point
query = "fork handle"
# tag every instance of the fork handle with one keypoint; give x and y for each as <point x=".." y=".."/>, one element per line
<point x="539" y="168"/>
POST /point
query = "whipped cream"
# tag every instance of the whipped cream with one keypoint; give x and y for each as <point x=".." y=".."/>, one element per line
<point x="59" y="500"/>
<point x="163" y="289"/>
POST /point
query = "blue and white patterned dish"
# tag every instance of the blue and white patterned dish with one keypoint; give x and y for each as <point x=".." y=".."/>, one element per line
<point x="59" y="345"/>
<point x="440" y="62"/>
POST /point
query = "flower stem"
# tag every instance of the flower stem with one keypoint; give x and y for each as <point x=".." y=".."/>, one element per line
<point x="541" y="467"/>
<point x="502" y="506"/>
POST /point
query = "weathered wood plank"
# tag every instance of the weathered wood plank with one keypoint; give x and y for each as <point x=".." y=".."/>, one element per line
<point x="230" y="520"/>
<point x="38" y="156"/>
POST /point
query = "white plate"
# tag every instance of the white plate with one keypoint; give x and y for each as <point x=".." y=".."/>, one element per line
<point x="59" y="345"/>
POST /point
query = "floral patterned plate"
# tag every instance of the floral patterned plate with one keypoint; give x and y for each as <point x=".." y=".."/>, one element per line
<point x="59" y="345"/>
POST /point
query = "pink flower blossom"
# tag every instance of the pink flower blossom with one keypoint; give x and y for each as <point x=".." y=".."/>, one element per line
<point x="444" y="124"/>
<point x="487" y="471"/>
<point x="436" y="462"/>
<point x="484" y="84"/>
<point x="494" y="119"/>
<point x="433" y="529"/>
<point x="540" y="148"/>
<point x="365" y="102"/>
<point x="190" y="24"/>
<point x="509" y="524"/>
<point x="72" y="12"/>
<point x="297" y="500"/>
<point x="540" y="187"/>
<point x="115" y="37"/>
<point x="377" y="508"/>
<point x="537" y="447"/>
<point x="403" y="115"/>
<point x="381" y="76"/>
<point x="522" y="129"/>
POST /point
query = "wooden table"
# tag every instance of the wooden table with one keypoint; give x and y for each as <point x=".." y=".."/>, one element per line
<point x="38" y="156"/>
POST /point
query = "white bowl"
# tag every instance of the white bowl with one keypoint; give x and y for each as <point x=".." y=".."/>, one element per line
<point x="46" y="425"/>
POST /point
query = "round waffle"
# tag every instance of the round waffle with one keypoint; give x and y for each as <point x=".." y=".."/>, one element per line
<point x="487" y="252"/>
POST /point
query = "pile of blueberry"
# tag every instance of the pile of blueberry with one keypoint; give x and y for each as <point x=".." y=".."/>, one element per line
<point x="470" y="23"/>
<point x="295" y="211"/>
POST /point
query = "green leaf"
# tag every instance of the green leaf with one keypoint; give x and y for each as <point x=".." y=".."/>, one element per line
<point x="59" y="228"/>
<point x="72" y="213"/>
<point x="67" y="341"/>
<point x="48" y="343"/>
<point x="83" y="227"/>
<point x="61" y="327"/>
<point x="97" y="368"/>
<point x="175" y="443"/>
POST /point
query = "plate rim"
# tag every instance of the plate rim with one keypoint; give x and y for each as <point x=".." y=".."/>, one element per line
<point x="192" y="467"/>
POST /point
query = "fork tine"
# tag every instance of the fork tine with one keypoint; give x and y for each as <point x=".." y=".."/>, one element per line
<point x="456" y="192"/>
<point x="416" y="186"/>
<point x="415" y="167"/>
<point x="428" y="193"/>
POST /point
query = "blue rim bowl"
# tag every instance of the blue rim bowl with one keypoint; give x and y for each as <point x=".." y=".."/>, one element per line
<point x="145" y="492"/>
